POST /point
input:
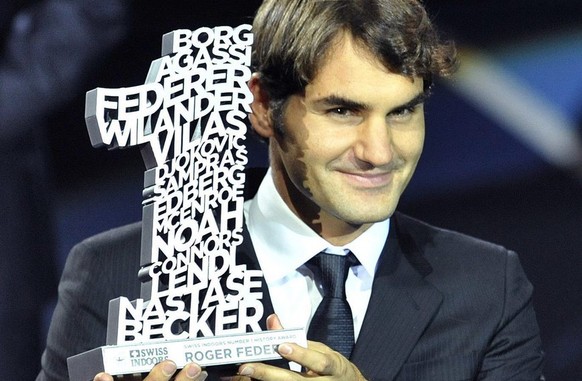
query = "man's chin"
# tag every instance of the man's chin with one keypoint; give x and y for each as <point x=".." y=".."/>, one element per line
<point x="366" y="216"/>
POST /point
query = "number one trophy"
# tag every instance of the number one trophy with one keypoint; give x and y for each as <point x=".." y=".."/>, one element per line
<point x="197" y="303"/>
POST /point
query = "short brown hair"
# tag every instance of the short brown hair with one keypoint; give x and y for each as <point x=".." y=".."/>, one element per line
<point x="292" y="38"/>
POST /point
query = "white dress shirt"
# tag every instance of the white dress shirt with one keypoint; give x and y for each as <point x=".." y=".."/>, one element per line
<point x="283" y="244"/>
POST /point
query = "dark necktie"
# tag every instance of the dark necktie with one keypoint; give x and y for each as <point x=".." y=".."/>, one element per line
<point x="332" y="323"/>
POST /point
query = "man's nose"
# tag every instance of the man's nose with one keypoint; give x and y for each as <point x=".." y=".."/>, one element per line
<point x="374" y="143"/>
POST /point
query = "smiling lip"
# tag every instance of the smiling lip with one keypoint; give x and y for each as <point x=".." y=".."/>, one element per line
<point x="369" y="180"/>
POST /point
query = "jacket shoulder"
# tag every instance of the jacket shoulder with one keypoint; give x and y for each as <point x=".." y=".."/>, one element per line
<point x="428" y="239"/>
<point x="123" y="236"/>
<point x="112" y="256"/>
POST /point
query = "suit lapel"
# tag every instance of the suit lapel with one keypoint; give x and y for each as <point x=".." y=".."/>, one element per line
<point x="246" y="252"/>
<point x="246" y="255"/>
<point x="401" y="305"/>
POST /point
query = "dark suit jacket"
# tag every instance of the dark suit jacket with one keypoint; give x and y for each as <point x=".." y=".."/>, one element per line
<point x="444" y="306"/>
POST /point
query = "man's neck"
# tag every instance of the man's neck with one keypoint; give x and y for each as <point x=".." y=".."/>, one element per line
<point x="335" y="231"/>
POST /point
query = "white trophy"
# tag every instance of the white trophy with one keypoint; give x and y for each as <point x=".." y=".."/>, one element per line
<point x="197" y="303"/>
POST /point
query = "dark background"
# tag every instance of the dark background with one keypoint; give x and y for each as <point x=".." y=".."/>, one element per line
<point x="475" y="176"/>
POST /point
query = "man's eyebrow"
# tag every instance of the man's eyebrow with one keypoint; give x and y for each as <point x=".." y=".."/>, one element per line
<point x="418" y="99"/>
<point x="337" y="100"/>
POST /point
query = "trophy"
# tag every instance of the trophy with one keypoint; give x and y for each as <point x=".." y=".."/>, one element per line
<point x="196" y="303"/>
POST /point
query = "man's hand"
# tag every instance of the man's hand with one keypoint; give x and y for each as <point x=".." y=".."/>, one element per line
<point x="318" y="359"/>
<point x="164" y="371"/>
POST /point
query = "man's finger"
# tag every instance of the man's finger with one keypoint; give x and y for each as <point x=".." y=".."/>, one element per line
<point x="191" y="372"/>
<point x="273" y="322"/>
<point x="317" y="357"/>
<point x="103" y="377"/>
<point x="162" y="371"/>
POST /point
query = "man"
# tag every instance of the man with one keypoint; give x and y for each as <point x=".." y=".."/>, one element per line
<point x="338" y="93"/>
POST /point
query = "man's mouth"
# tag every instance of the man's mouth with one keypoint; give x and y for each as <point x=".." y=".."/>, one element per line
<point x="369" y="179"/>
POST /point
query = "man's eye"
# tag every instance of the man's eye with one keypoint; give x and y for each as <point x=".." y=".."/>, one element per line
<point x="340" y="111"/>
<point x="403" y="112"/>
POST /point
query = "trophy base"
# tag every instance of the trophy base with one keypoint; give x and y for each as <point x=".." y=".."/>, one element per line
<point x="138" y="358"/>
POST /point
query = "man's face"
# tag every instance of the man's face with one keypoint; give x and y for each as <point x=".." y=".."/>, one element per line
<point x="350" y="143"/>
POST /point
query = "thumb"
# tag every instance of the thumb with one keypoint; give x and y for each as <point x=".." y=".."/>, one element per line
<point x="273" y="322"/>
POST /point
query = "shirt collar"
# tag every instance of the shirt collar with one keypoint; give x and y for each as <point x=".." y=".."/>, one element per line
<point x="283" y="243"/>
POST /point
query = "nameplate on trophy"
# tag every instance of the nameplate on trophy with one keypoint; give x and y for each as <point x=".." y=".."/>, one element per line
<point x="211" y="351"/>
<point x="197" y="303"/>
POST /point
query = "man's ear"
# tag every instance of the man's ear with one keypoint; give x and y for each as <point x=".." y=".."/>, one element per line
<point x="260" y="117"/>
